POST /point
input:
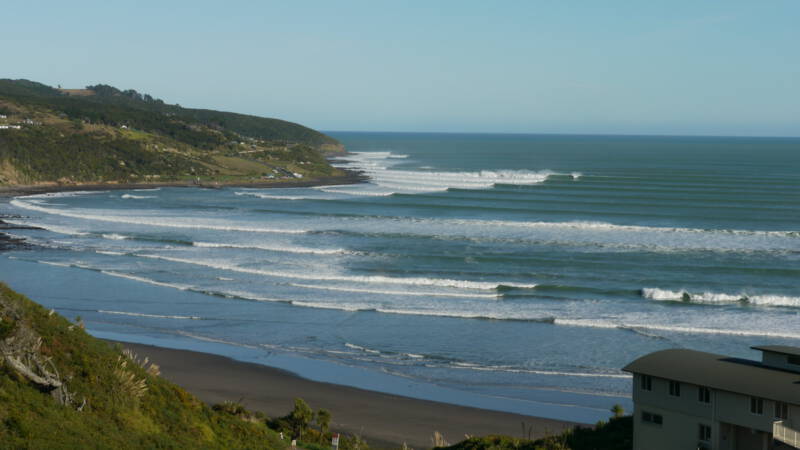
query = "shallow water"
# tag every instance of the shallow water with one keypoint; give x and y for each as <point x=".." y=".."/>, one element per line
<point x="515" y="267"/>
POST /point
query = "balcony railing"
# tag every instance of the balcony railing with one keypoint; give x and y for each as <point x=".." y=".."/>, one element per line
<point x="781" y="432"/>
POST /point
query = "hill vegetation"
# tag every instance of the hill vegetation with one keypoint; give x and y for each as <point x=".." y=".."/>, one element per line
<point x="104" y="135"/>
<point x="616" y="434"/>
<point x="61" y="388"/>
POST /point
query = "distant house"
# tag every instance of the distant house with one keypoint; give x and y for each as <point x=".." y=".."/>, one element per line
<point x="685" y="399"/>
<point x="3" y="116"/>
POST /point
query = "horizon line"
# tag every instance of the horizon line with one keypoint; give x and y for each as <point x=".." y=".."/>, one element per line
<point x="564" y="134"/>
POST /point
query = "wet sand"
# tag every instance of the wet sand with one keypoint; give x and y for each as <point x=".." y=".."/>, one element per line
<point x="384" y="420"/>
<point x="16" y="190"/>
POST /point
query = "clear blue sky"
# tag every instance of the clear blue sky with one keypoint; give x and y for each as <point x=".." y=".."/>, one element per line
<point x="638" y="67"/>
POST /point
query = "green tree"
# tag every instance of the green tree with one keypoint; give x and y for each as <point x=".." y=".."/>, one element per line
<point x="300" y="417"/>
<point x="323" y="420"/>
<point x="618" y="410"/>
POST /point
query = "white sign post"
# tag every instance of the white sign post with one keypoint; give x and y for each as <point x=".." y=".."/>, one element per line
<point x="335" y="441"/>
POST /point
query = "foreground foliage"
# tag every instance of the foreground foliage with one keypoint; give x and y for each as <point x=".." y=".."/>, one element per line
<point x="75" y="391"/>
<point x="616" y="434"/>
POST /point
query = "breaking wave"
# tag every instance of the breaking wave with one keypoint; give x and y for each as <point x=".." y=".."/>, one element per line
<point x="154" y="316"/>
<point x="719" y="298"/>
<point x="276" y="248"/>
<point x="50" y="195"/>
<point x="54" y="228"/>
<point x="388" y="292"/>
<point x="369" y="279"/>
<point x="360" y="191"/>
<point x="377" y="166"/>
<point x="186" y="223"/>
<point x="592" y="323"/>
<point x="136" y="197"/>
<point x="274" y="197"/>
<point x="181" y="287"/>
<point x="114" y="236"/>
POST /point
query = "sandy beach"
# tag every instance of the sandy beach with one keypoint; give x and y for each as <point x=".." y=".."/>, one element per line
<point x="350" y="177"/>
<point x="384" y="420"/>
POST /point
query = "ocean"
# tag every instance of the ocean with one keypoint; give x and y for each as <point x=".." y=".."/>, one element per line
<point x="513" y="272"/>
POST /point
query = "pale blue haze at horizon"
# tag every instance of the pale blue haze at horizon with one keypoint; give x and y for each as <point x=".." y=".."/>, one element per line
<point x="719" y="68"/>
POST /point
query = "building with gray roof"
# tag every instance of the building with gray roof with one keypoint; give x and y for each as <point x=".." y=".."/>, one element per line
<point x="686" y="399"/>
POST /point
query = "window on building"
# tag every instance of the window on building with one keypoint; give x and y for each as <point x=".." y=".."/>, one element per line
<point x="794" y="360"/>
<point x="757" y="405"/>
<point x="674" y="389"/>
<point x="705" y="433"/>
<point x="704" y="395"/>
<point x="649" y="417"/>
<point x="781" y="411"/>
<point x="647" y="382"/>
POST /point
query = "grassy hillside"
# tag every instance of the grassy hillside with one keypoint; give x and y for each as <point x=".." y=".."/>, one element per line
<point x="104" y="135"/>
<point x="61" y="388"/>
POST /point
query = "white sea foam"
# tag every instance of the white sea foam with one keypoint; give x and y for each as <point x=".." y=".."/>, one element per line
<point x="377" y="165"/>
<point x="109" y="253"/>
<point x="214" y="340"/>
<point x="136" y="197"/>
<point x="388" y="292"/>
<point x="181" y="287"/>
<point x="605" y="226"/>
<point x="511" y="369"/>
<point x="719" y="298"/>
<point x="337" y="306"/>
<point x="54" y="228"/>
<point x="50" y="195"/>
<point x="114" y="236"/>
<point x="593" y="323"/>
<point x="774" y="300"/>
<point x="369" y="279"/>
<point x="360" y="348"/>
<point x="154" y="316"/>
<point x="576" y="175"/>
<point x="274" y="196"/>
<point x="276" y="248"/>
<point x="360" y="191"/>
<point x="168" y="222"/>
<point x="54" y="263"/>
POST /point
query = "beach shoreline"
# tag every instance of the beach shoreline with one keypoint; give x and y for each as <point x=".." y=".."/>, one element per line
<point x="384" y="420"/>
<point x="7" y="192"/>
<point x="351" y="177"/>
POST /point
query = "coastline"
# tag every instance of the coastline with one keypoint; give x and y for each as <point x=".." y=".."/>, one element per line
<point x="384" y="420"/>
<point x="351" y="177"/>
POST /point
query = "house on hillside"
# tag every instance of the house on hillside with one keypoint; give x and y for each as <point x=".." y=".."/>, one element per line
<point x="686" y="399"/>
